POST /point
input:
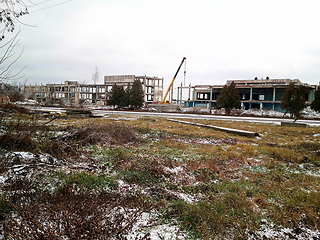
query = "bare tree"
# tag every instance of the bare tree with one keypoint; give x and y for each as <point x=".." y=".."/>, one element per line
<point x="10" y="13"/>
<point x="8" y="58"/>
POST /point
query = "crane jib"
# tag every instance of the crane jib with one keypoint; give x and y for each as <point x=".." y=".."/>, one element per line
<point x="173" y="79"/>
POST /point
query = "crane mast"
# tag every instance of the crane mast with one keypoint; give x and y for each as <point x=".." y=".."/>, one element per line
<point x="172" y="81"/>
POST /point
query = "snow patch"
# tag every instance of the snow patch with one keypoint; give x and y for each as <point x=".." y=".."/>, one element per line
<point x="175" y="170"/>
<point x="147" y="226"/>
<point x="270" y="231"/>
<point x="24" y="155"/>
<point x="2" y="179"/>
<point x="310" y="172"/>
<point x="205" y="141"/>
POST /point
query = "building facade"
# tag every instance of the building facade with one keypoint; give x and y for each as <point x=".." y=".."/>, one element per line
<point x="257" y="93"/>
<point x="74" y="93"/>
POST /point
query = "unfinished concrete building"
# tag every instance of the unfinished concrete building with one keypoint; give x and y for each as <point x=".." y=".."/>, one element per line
<point x="256" y="93"/>
<point x="62" y="94"/>
<point x="74" y="93"/>
<point x="36" y="92"/>
<point x="152" y="86"/>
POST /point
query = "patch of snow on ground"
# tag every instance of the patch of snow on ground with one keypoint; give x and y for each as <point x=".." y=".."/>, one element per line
<point x="307" y="113"/>
<point x="310" y="172"/>
<point x="27" y="157"/>
<point x="2" y="179"/>
<point x="24" y="155"/>
<point x="186" y="197"/>
<point x="175" y="170"/>
<point x="147" y="226"/>
<point x="123" y="187"/>
<point x="270" y="231"/>
<point x="264" y="112"/>
<point x="204" y="141"/>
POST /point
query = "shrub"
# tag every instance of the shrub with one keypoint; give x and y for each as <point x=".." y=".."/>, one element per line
<point x="21" y="142"/>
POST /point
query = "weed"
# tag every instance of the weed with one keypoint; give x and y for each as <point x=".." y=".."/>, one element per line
<point x="143" y="177"/>
<point x="5" y="208"/>
<point x="80" y="182"/>
<point x="235" y="180"/>
<point x="229" y="214"/>
<point x="283" y="154"/>
<point x="70" y="216"/>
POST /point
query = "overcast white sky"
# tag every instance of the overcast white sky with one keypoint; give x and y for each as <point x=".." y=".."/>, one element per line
<point x="221" y="39"/>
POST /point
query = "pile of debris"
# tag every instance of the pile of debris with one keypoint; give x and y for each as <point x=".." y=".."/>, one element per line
<point x="104" y="135"/>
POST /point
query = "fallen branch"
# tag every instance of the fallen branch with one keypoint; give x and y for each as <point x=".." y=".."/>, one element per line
<point x="50" y="120"/>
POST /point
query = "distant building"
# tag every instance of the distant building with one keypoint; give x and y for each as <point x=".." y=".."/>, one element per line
<point x="152" y="86"/>
<point x="74" y="93"/>
<point x="256" y="93"/>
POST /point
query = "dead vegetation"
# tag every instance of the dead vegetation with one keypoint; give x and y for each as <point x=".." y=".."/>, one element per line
<point x="12" y="108"/>
<point x="111" y="134"/>
<point x="94" y="179"/>
<point x="67" y="214"/>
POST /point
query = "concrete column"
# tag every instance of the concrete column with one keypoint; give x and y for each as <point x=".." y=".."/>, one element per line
<point x="274" y="94"/>
<point x="181" y="95"/>
<point x="251" y="90"/>
<point x="178" y="95"/>
<point x="194" y="97"/>
<point x="311" y="95"/>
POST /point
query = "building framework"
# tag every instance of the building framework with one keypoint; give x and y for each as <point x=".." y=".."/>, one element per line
<point x="255" y="93"/>
<point x="74" y="93"/>
<point x="152" y="86"/>
<point x="259" y="94"/>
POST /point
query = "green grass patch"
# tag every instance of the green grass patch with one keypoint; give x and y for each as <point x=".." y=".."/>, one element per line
<point x="79" y="182"/>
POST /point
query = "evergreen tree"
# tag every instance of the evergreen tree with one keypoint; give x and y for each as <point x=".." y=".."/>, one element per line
<point x="136" y="94"/>
<point x="315" y="105"/>
<point x="229" y="98"/>
<point x="131" y="96"/>
<point x="286" y="101"/>
<point x="127" y="96"/>
<point x="293" y="100"/>
<point x="117" y="96"/>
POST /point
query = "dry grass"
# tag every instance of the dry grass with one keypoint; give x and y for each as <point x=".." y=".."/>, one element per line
<point x="234" y="181"/>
